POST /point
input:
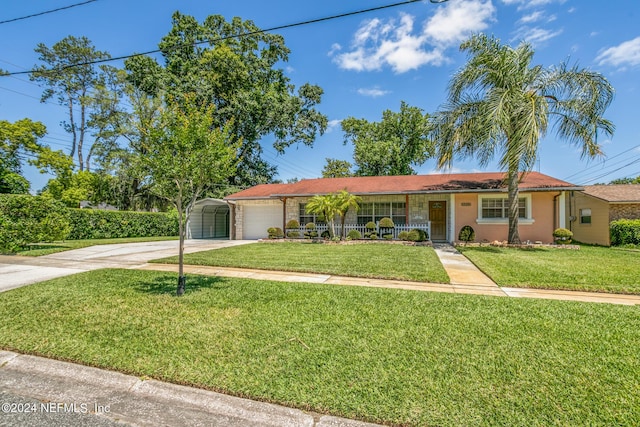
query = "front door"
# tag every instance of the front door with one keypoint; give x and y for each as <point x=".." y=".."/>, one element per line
<point x="438" y="218"/>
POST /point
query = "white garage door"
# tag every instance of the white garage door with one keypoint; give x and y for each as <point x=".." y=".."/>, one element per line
<point x="257" y="218"/>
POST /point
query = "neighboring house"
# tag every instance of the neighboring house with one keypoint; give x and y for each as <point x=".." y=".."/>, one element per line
<point x="590" y="211"/>
<point x="441" y="204"/>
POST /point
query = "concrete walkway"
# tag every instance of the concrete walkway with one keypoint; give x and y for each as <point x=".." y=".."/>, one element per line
<point x="465" y="277"/>
<point x="17" y="271"/>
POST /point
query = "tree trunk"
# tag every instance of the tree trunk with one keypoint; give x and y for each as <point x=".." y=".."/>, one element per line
<point x="73" y="128"/>
<point x="514" y="192"/>
<point x="181" y="279"/>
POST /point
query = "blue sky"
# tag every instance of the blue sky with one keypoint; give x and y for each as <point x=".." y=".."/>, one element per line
<point x="365" y="64"/>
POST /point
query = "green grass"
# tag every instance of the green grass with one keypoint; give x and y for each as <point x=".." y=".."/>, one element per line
<point x="382" y="355"/>
<point x="383" y="261"/>
<point x="40" y="249"/>
<point x="591" y="268"/>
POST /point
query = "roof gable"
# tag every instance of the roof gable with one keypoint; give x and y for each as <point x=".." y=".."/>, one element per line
<point x="406" y="184"/>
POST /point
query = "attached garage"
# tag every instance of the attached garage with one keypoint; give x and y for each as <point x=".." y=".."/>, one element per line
<point x="256" y="219"/>
<point x="209" y="219"/>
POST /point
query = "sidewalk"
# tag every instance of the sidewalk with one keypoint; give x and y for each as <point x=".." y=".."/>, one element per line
<point x="465" y="277"/>
<point x="61" y="393"/>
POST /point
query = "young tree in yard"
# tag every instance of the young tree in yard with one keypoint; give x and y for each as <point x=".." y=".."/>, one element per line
<point x="327" y="207"/>
<point x="185" y="154"/>
<point x="346" y="202"/>
<point x="391" y="146"/>
<point x="501" y="104"/>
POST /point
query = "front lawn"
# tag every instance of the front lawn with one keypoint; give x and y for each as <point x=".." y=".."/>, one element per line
<point x="374" y="260"/>
<point x="39" y="249"/>
<point x="382" y="355"/>
<point x="590" y="268"/>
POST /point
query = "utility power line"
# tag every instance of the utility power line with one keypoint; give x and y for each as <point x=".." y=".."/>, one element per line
<point x="46" y="12"/>
<point x="251" y="33"/>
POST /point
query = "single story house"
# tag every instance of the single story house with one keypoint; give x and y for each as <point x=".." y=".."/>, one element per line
<point x="590" y="211"/>
<point x="440" y="204"/>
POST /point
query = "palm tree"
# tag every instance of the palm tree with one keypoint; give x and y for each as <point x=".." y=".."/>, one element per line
<point x="346" y="201"/>
<point x="499" y="103"/>
<point x="327" y="206"/>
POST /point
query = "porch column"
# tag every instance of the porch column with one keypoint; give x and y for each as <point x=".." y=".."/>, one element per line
<point x="452" y="218"/>
<point x="562" y="220"/>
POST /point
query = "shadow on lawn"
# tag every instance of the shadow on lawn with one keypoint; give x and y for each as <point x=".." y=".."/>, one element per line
<point x="168" y="284"/>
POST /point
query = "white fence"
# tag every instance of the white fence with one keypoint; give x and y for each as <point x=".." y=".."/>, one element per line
<point x="362" y="229"/>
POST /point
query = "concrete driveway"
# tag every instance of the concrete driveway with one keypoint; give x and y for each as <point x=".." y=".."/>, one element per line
<point x="16" y="271"/>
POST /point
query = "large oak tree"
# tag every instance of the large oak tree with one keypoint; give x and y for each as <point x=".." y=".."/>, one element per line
<point x="233" y="66"/>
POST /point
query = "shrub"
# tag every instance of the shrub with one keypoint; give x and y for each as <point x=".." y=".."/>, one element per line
<point x="99" y="224"/>
<point x="467" y="234"/>
<point x="417" y="235"/>
<point x="310" y="232"/>
<point x="562" y="236"/>
<point x="354" y="235"/>
<point x="386" y="223"/>
<point x="387" y="236"/>
<point x="325" y="234"/>
<point x="293" y="224"/>
<point x="625" y="232"/>
<point x="373" y="236"/>
<point x="28" y="219"/>
<point x="293" y="234"/>
<point x="371" y="230"/>
<point x="275" y="233"/>
<point x="403" y="235"/>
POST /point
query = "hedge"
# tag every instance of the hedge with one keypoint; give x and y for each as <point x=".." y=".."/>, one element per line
<point x="625" y="232"/>
<point x="99" y="224"/>
<point x="26" y="219"/>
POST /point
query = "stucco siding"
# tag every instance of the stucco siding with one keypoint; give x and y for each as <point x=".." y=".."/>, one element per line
<point x="597" y="232"/>
<point x="539" y="228"/>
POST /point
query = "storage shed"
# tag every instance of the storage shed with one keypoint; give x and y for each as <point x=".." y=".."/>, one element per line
<point x="209" y="220"/>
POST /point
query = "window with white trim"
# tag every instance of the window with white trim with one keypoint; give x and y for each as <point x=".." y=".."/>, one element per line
<point x="499" y="208"/>
<point x="495" y="208"/>
<point x="585" y="216"/>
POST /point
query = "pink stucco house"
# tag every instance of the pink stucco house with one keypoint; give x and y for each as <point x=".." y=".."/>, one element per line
<point x="441" y="204"/>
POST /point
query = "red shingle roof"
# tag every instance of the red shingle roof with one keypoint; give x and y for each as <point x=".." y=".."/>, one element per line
<point x="441" y="183"/>
<point x="615" y="193"/>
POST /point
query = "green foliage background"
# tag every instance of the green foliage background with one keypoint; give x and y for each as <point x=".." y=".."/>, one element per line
<point x="625" y="232"/>
<point x="98" y="224"/>
<point x="26" y="219"/>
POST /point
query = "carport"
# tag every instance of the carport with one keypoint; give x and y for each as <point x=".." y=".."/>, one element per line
<point x="209" y="220"/>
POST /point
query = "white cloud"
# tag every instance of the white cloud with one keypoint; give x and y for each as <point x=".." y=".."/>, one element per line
<point x="332" y="125"/>
<point x="625" y="54"/>
<point x="532" y="17"/>
<point x="536" y="35"/>
<point x="452" y="24"/>
<point x="396" y="44"/>
<point x="526" y="4"/>
<point x="373" y="92"/>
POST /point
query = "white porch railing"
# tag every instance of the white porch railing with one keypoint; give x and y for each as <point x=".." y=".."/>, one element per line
<point x="320" y="228"/>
